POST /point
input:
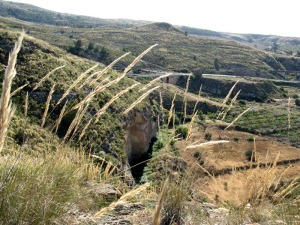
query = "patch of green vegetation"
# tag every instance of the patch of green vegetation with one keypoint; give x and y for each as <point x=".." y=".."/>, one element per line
<point x="271" y="121"/>
<point x="181" y="131"/>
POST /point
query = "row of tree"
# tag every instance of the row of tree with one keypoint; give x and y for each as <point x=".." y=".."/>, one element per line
<point x="92" y="51"/>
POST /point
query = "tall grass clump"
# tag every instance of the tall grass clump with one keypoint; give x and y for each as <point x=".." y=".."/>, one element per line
<point x="41" y="190"/>
<point x="5" y="106"/>
<point x="173" y="199"/>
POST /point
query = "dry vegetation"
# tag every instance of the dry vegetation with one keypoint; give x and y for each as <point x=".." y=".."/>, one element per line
<point x="45" y="175"/>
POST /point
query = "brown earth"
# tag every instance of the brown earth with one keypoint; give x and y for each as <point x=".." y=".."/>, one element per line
<point x="227" y="175"/>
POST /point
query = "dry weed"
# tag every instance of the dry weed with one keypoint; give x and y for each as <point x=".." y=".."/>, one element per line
<point x="5" y="107"/>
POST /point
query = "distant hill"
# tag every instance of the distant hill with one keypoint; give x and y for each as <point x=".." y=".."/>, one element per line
<point x="287" y="45"/>
<point x="36" y="14"/>
<point x="180" y="48"/>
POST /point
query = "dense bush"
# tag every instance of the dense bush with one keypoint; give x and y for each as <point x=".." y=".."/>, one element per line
<point x="182" y="131"/>
<point x="208" y="136"/>
<point x="250" y="155"/>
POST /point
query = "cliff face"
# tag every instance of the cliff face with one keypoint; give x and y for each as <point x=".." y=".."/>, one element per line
<point x="140" y="128"/>
<point x="250" y="90"/>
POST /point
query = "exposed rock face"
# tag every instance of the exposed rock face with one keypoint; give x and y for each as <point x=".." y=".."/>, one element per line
<point x="250" y="90"/>
<point x="140" y="129"/>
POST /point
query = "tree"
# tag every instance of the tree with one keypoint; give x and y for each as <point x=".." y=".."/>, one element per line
<point x="78" y="45"/>
<point x="91" y="46"/>
<point x="77" y="49"/>
<point x="275" y="47"/>
<point x="217" y="64"/>
<point x="103" y="54"/>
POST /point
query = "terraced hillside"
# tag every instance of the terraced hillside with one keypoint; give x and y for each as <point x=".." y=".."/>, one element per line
<point x="177" y="51"/>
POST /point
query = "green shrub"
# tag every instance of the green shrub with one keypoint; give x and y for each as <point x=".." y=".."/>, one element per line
<point x="182" y="131"/>
<point x="242" y="102"/>
<point x="158" y="145"/>
<point x="39" y="191"/>
<point x="175" y="197"/>
<point x="297" y="102"/>
<point x="198" y="155"/>
<point x="250" y="155"/>
<point x="172" y="142"/>
<point x="208" y="136"/>
<point x="201" y="115"/>
<point x="295" y="96"/>
<point x="250" y="138"/>
<point x="236" y="139"/>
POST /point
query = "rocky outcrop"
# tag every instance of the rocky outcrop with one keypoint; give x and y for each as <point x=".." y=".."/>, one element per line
<point x="250" y="89"/>
<point x="140" y="129"/>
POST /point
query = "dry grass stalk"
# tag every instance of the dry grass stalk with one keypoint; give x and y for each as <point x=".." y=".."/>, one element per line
<point x="226" y="99"/>
<point x="139" y="100"/>
<point x="47" y="105"/>
<point x="87" y="80"/>
<point x="125" y="197"/>
<point x="79" y="78"/>
<point x="17" y="90"/>
<point x="197" y="102"/>
<point x="206" y="144"/>
<point x="85" y="128"/>
<point x="157" y="215"/>
<point x="231" y="104"/>
<point x="174" y="119"/>
<point x="229" y="94"/>
<point x="206" y="171"/>
<point x="26" y="104"/>
<point x="237" y="118"/>
<point x="92" y="94"/>
<point x="109" y="169"/>
<point x="158" y="124"/>
<point x="104" y="71"/>
<point x="253" y="155"/>
<point x="289" y="113"/>
<point x="185" y="97"/>
<point x="46" y="77"/>
<point x="269" y="179"/>
<point x="161" y="106"/>
<point x="189" y="133"/>
<point x="74" y="122"/>
<point x="105" y="107"/>
<point x="153" y="81"/>
<point x="61" y="114"/>
<point x="137" y="59"/>
<point x="171" y="110"/>
<point x="5" y="108"/>
<point x="84" y="110"/>
<point x="294" y="184"/>
<point x="101" y="88"/>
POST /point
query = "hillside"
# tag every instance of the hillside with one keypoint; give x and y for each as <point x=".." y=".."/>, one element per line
<point x="36" y="14"/>
<point x="286" y="45"/>
<point x="178" y="51"/>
